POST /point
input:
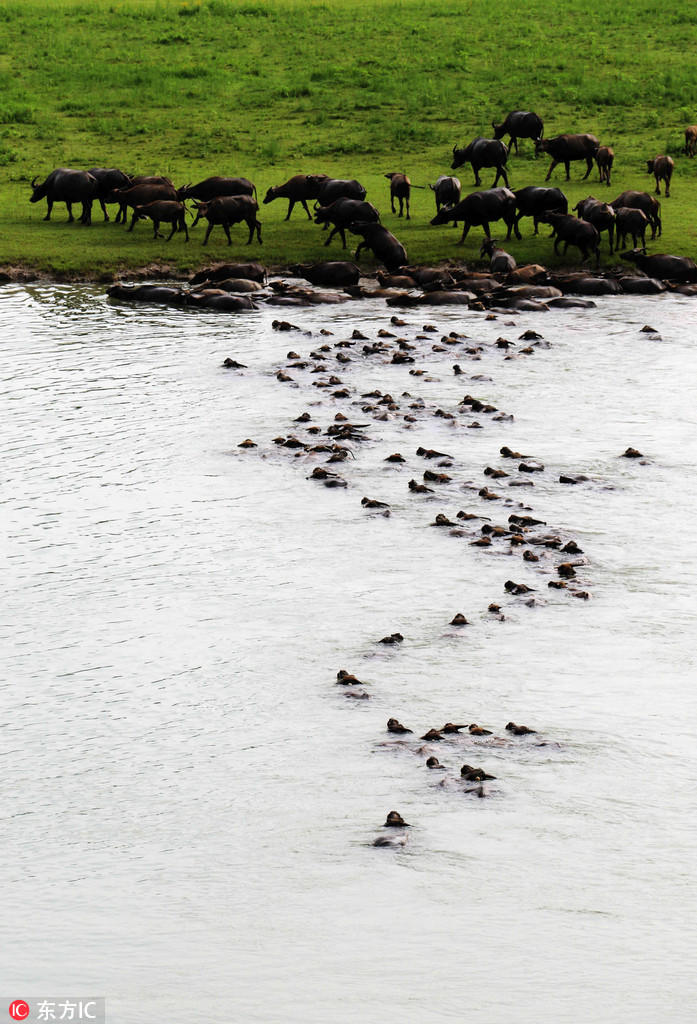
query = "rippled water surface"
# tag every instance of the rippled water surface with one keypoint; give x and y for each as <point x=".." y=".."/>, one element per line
<point x="189" y="801"/>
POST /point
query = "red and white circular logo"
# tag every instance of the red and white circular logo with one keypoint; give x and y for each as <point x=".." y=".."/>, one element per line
<point x="19" y="1009"/>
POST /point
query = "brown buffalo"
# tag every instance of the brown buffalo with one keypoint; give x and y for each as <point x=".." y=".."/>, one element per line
<point x="691" y="140"/>
<point x="400" y="189"/>
<point x="662" y="169"/>
<point x="229" y="210"/>
<point x="162" y="210"/>
<point x="297" y="189"/>
<point x="604" y="158"/>
<point x="565" y="148"/>
<point x="642" y="201"/>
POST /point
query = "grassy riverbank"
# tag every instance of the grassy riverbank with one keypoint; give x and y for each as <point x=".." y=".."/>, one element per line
<point x="350" y="88"/>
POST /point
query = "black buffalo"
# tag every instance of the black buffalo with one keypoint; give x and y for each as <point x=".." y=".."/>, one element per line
<point x="400" y="189"/>
<point x="565" y="148"/>
<point x="447" y="191"/>
<point x="341" y="213"/>
<point x="211" y="188"/>
<point x="385" y="246"/>
<point x="336" y="274"/>
<point x="297" y="189"/>
<point x="630" y="222"/>
<point x="535" y="201"/>
<point x="482" y="153"/>
<point x="479" y="209"/>
<point x="338" y="188"/>
<point x="663" y="266"/>
<point x="162" y="210"/>
<point x="642" y="201"/>
<point x="229" y="210"/>
<point x="662" y="169"/>
<point x="574" y="231"/>
<point x="108" y="179"/>
<point x="519" y="124"/>
<point x="601" y="215"/>
<point x="65" y="185"/>
<point x="139" y="195"/>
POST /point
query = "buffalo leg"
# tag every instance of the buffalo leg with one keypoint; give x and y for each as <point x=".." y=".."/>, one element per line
<point x="70" y="213"/>
<point x="477" y="179"/>
<point x="226" y="229"/>
<point x="589" y="167"/>
<point x="208" y="232"/>
<point x="331" y="235"/>
<point x="250" y="225"/>
<point x="392" y="204"/>
<point x="174" y="228"/>
<point x="611" y="234"/>
<point x="257" y="225"/>
<point x="134" y="218"/>
<point x="500" y="173"/>
<point x="361" y="245"/>
<point x="408" y="213"/>
<point x="551" y="168"/>
<point x="291" y="204"/>
<point x="183" y="227"/>
<point x="568" y="170"/>
<point x="465" y="230"/>
<point x="104" y="209"/>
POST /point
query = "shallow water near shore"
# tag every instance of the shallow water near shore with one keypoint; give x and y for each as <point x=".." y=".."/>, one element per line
<point x="189" y="800"/>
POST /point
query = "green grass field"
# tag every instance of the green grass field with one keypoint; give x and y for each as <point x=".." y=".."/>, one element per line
<point x="349" y="88"/>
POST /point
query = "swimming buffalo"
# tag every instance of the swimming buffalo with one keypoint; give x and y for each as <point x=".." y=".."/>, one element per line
<point x="447" y="191"/>
<point x="400" y="189"/>
<point x="500" y="261"/>
<point x="297" y="189"/>
<point x="251" y="271"/>
<point x="108" y="179"/>
<point x="335" y="274"/>
<point x="229" y="210"/>
<point x="604" y="158"/>
<point x="162" y="210"/>
<point x="65" y="185"/>
<point x="642" y="201"/>
<point x="663" y="266"/>
<point x="573" y="231"/>
<point x="479" y="209"/>
<point x="565" y="148"/>
<point x="211" y="188"/>
<point x="519" y="124"/>
<point x="536" y="200"/>
<point x="385" y="246"/>
<point x="341" y="213"/>
<point x="600" y="215"/>
<point x="662" y="169"/>
<point x="482" y="153"/>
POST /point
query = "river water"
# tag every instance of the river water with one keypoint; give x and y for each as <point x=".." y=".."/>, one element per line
<point x="189" y="800"/>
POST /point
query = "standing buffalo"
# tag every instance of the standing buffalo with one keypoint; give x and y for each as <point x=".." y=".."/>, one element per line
<point x="211" y="188"/>
<point x="67" y="186"/>
<point x="662" y="169"/>
<point x="519" y="124"/>
<point x="297" y="189"/>
<point x="108" y="178"/>
<point x="385" y="246"/>
<point x="601" y="215"/>
<point x="482" y="153"/>
<point x="573" y="231"/>
<point x="565" y="148"/>
<point x="341" y="213"/>
<point x="642" y="201"/>
<point x="229" y="210"/>
<point x="339" y="188"/>
<point x="691" y="140"/>
<point x="604" y="158"/>
<point x="535" y="200"/>
<point x="400" y="189"/>
<point x="447" y="191"/>
<point x="162" y="210"/>
<point x="139" y="195"/>
<point x="630" y="222"/>
<point x="478" y="209"/>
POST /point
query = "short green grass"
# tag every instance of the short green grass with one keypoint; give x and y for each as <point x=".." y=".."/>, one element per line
<point x="351" y="88"/>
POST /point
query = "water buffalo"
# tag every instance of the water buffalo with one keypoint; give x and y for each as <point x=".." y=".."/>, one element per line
<point x="642" y="201"/>
<point x="630" y="222"/>
<point x="211" y="188"/>
<point x="600" y="215"/>
<point x="341" y="212"/>
<point x="251" y="271"/>
<point x="482" y="153"/>
<point x="565" y="148"/>
<point x="339" y="188"/>
<point x="166" y="210"/>
<point x="663" y="266"/>
<point x="574" y="231"/>
<point x="385" y="246"/>
<point x="479" y="209"/>
<point x="147" y="293"/>
<point x="400" y="189"/>
<point x="447" y="191"/>
<point x="535" y="200"/>
<point x="216" y="298"/>
<point x="139" y="195"/>
<point x="65" y="185"/>
<point x="519" y="124"/>
<point x="691" y="140"/>
<point x="335" y="274"/>
<point x="604" y="158"/>
<point x="662" y="169"/>
<point x="108" y="179"/>
<point x="297" y="189"/>
<point x="500" y="261"/>
<point x="229" y="210"/>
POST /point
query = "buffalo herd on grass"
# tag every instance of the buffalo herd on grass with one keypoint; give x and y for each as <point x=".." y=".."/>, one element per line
<point x="340" y="204"/>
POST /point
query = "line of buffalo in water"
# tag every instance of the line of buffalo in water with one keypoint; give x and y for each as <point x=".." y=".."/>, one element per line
<point x="340" y="204"/>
